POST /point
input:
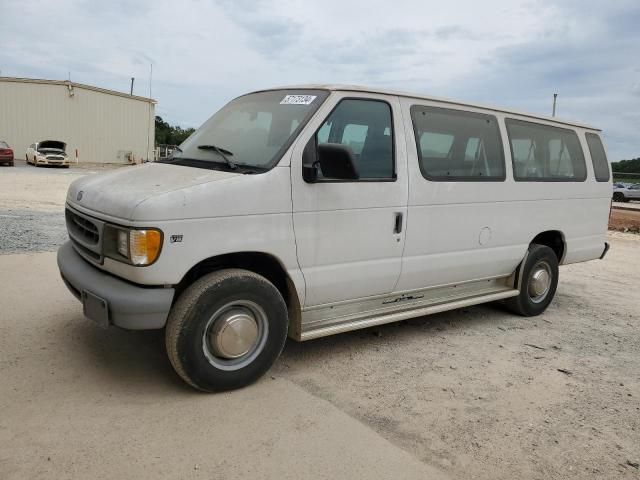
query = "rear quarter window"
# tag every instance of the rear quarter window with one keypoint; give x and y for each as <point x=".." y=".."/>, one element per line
<point x="598" y="157"/>
<point x="544" y="153"/>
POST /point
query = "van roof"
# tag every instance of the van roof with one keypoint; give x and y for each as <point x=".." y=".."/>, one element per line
<point x="361" y="88"/>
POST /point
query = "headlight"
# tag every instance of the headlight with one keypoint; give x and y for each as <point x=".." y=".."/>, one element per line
<point x="123" y="243"/>
<point x="138" y="247"/>
<point x="144" y="246"/>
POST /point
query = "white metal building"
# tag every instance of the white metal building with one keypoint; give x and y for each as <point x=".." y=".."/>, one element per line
<point x="102" y="126"/>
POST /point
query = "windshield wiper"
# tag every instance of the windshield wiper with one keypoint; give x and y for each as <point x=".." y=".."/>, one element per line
<point x="221" y="152"/>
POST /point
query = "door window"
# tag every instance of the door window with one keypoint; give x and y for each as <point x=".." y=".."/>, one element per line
<point x="365" y="126"/>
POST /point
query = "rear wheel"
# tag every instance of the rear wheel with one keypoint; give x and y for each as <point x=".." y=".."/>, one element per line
<point x="539" y="282"/>
<point x="226" y="330"/>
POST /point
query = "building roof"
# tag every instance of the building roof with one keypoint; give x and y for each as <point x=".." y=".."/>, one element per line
<point x="68" y="83"/>
<point x="360" y="88"/>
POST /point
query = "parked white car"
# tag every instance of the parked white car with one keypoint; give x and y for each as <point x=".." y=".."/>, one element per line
<point x="624" y="193"/>
<point x="47" y="152"/>
<point x="309" y="211"/>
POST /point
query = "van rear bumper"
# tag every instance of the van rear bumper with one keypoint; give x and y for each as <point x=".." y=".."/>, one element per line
<point x="108" y="300"/>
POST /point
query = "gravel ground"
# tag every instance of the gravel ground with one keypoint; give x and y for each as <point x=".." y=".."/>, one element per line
<point x="476" y="393"/>
<point x="32" y="205"/>
<point x="31" y="231"/>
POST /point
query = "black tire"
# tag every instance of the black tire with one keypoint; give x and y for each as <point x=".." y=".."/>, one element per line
<point x="618" y="197"/>
<point x="527" y="303"/>
<point x="191" y="322"/>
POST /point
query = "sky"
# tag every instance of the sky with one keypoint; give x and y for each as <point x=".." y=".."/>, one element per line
<point x="514" y="54"/>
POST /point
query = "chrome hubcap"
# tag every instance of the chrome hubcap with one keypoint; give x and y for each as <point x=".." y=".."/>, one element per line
<point x="235" y="335"/>
<point x="539" y="282"/>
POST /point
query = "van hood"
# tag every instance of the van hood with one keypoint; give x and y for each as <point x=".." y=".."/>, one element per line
<point x="119" y="192"/>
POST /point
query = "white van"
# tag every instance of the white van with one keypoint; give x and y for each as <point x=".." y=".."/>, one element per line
<point x="309" y="211"/>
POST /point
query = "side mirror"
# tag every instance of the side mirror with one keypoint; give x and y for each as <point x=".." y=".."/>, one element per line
<point x="336" y="161"/>
<point x="310" y="162"/>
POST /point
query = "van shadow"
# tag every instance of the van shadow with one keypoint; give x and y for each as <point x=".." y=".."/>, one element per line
<point x="134" y="361"/>
<point x="419" y="329"/>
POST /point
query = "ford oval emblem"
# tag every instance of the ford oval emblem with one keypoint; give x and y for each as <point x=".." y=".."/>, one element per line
<point x="79" y="197"/>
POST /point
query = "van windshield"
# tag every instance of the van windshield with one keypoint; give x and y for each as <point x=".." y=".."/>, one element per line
<point x="251" y="132"/>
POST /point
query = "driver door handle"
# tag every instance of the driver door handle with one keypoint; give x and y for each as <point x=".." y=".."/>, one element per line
<point x="397" y="228"/>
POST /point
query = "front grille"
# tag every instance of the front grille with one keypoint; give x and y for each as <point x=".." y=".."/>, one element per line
<point x="86" y="234"/>
<point x="82" y="250"/>
<point x="82" y="228"/>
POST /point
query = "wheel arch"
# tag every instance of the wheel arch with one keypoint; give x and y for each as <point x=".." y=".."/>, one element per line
<point x="263" y="264"/>
<point x="555" y="240"/>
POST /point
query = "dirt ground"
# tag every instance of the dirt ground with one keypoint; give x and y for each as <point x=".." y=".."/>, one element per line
<point x="476" y="393"/>
<point x="625" y="220"/>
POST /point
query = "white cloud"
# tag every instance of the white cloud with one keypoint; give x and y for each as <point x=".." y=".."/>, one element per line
<point x="508" y="52"/>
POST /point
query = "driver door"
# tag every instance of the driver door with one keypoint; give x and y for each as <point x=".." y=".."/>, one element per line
<point x="350" y="233"/>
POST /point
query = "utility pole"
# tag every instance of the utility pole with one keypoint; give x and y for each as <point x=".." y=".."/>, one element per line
<point x="555" y="97"/>
<point x="132" y="80"/>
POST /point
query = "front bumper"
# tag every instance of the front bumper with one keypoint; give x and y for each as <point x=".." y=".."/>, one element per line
<point x="47" y="161"/>
<point x="127" y="305"/>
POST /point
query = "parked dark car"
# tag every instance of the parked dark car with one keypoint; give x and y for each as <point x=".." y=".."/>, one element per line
<point x="6" y="154"/>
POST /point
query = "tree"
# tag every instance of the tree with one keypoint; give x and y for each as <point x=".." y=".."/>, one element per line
<point x="170" y="135"/>
<point x="626" y="166"/>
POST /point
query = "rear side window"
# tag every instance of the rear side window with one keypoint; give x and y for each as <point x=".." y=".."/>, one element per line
<point x="598" y="157"/>
<point x="457" y="146"/>
<point x="541" y="153"/>
<point x="366" y="127"/>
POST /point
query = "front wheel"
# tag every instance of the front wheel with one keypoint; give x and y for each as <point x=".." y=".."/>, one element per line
<point x="539" y="282"/>
<point x="618" y="197"/>
<point x="226" y="330"/>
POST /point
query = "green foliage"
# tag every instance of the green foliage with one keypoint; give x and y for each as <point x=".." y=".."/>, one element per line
<point x="170" y="135"/>
<point x="626" y="166"/>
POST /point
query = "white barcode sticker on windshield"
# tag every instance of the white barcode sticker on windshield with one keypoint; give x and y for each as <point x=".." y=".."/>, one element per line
<point x="298" y="99"/>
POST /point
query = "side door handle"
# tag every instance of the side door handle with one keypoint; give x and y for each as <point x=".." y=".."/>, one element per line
<point x="397" y="228"/>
